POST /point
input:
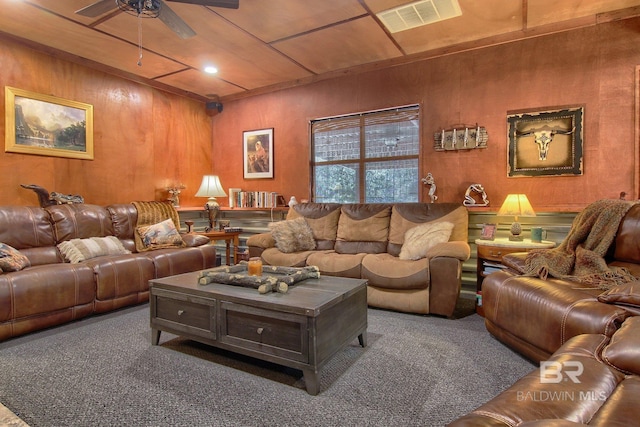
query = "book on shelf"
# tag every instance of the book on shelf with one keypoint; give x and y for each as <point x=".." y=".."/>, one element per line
<point x="255" y="199"/>
<point x="232" y="196"/>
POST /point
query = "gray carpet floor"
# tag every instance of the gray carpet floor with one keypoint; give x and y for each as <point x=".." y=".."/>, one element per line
<point x="103" y="371"/>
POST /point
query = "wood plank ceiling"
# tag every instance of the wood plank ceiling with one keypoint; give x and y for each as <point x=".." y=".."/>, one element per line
<point x="267" y="45"/>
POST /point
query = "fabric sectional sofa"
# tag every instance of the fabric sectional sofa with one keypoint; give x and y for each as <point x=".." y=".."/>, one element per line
<point x="40" y="288"/>
<point x="410" y="253"/>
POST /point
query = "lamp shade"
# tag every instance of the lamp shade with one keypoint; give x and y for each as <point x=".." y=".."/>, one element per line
<point x="210" y="187"/>
<point x="516" y="205"/>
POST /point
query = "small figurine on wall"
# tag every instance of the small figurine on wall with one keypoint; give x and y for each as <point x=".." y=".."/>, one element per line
<point x="468" y="197"/>
<point x="429" y="180"/>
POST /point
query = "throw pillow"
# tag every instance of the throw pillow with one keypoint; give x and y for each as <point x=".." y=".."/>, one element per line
<point x="161" y="235"/>
<point x="419" y="239"/>
<point x="293" y="235"/>
<point x="78" y="250"/>
<point x="152" y="213"/>
<point x="11" y="259"/>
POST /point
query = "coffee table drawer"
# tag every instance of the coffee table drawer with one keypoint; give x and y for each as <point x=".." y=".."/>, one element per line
<point x="265" y="331"/>
<point x="183" y="314"/>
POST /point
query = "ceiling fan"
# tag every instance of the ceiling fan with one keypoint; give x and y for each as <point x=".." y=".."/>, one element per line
<point x="155" y="9"/>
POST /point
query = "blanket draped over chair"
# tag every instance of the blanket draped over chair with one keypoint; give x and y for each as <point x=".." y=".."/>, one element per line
<point x="150" y="213"/>
<point x="580" y="257"/>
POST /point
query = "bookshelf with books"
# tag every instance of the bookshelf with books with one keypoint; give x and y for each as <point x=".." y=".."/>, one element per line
<point x="254" y="199"/>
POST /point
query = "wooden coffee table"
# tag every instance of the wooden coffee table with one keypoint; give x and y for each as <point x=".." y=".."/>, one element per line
<point x="301" y="329"/>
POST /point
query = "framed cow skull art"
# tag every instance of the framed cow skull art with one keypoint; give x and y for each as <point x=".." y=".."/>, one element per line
<point x="545" y="143"/>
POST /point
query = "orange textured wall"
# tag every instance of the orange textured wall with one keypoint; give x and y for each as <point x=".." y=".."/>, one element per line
<point x="144" y="139"/>
<point x="593" y="67"/>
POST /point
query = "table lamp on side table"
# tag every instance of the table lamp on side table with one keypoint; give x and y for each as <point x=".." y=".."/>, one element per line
<point x="211" y="188"/>
<point x="516" y="205"/>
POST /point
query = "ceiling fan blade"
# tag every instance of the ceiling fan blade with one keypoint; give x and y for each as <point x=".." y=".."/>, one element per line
<point x="97" y="8"/>
<point x="173" y="21"/>
<point x="229" y="4"/>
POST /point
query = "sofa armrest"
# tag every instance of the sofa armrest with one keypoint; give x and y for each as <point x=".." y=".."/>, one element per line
<point x="193" y="240"/>
<point x="445" y="281"/>
<point x="622" y="352"/>
<point x="515" y="261"/>
<point x="262" y="241"/>
<point x="457" y="249"/>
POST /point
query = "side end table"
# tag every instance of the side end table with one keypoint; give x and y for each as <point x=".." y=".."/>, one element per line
<point x="228" y="237"/>
<point x="490" y="253"/>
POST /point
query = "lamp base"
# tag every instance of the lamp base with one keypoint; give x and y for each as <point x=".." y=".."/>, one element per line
<point x="212" y="208"/>
<point x="516" y="229"/>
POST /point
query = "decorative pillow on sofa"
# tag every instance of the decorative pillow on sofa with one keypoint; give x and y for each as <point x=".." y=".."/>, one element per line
<point x="11" y="259"/>
<point x="161" y="235"/>
<point x="293" y="235"/>
<point x="78" y="250"/>
<point x="150" y="214"/>
<point x="419" y="239"/>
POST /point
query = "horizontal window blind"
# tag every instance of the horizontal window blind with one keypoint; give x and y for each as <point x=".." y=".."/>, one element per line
<point x="366" y="157"/>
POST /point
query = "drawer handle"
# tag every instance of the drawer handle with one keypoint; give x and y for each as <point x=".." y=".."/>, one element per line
<point x="180" y="312"/>
<point x="260" y="330"/>
<point x="496" y="253"/>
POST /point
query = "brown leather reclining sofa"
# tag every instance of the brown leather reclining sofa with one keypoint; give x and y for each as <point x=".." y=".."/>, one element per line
<point x="365" y="240"/>
<point x="51" y="291"/>
<point x="586" y="339"/>
<point x="536" y="316"/>
<point x="591" y="380"/>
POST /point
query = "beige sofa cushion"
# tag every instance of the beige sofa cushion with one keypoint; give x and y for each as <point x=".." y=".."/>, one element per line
<point x="334" y="264"/>
<point x="390" y="272"/>
<point x="273" y="256"/>
<point x="322" y="218"/>
<point x="405" y="216"/>
<point x="363" y="228"/>
<point x="419" y="239"/>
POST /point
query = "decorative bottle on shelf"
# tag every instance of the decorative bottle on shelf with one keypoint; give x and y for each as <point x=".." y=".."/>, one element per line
<point x="293" y="201"/>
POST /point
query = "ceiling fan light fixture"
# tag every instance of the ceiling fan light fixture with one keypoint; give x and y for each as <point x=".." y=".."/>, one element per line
<point x="210" y="69"/>
<point x="140" y="8"/>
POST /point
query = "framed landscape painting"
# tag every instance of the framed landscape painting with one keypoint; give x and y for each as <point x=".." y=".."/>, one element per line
<point x="47" y="125"/>
<point x="258" y="153"/>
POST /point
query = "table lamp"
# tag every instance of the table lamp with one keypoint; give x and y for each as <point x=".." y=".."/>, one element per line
<point x="516" y="205"/>
<point x="211" y="188"/>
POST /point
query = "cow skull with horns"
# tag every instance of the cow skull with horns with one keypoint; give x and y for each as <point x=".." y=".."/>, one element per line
<point x="543" y="137"/>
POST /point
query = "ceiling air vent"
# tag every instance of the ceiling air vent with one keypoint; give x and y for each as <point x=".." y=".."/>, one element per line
<point x="419" y="13"/>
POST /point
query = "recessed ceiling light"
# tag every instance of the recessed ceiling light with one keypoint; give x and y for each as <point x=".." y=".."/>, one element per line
<point x="210" y="69"/>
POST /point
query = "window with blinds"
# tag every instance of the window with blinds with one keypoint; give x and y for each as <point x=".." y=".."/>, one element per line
<point x="369" y="157"/>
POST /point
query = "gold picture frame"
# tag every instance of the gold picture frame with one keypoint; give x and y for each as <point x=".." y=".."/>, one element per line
<point x="46" y="125"/>
<point x="547" y="142"/>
